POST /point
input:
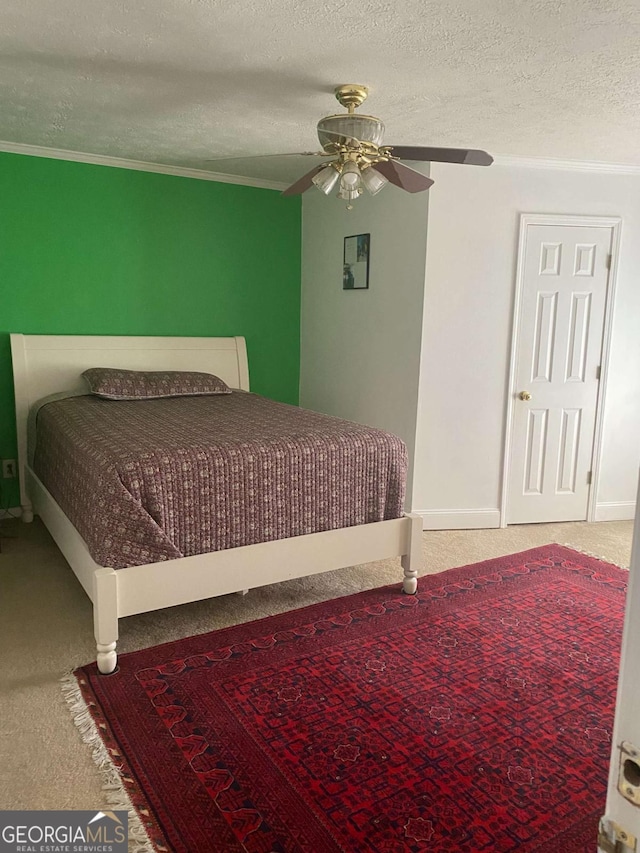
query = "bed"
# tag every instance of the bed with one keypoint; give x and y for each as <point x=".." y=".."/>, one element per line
<point x="161" y="577"/>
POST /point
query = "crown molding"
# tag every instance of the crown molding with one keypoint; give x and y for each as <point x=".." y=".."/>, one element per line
<point x="513" y="161"/>
<point x="567" y="165"/>
<point x="136" y="165"/>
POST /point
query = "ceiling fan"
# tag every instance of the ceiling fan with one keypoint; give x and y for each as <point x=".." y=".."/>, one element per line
<point x="358" y="160"/>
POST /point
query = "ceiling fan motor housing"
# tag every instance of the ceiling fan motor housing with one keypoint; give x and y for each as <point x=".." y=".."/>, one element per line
<point x="339" y="129"/>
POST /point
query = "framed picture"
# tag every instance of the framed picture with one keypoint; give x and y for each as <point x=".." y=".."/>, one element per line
<point x="355" y="269"/>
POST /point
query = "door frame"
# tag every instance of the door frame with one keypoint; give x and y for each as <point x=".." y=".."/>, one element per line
<point x="526" y="219"/>
<point x="626" y="726"/>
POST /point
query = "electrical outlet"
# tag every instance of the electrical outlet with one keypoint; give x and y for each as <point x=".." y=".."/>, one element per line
<point x="9" y="469"/>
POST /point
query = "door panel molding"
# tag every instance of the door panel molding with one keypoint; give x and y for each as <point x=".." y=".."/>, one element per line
<point x="582" y="266"/>
<point x="535" y="450"/>
<point x="569" y="446"/>
<point x="545" y="333"/>
<point x="578" y="339"/>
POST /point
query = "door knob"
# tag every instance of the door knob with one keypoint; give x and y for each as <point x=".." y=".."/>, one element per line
<point x="524" y="395"/>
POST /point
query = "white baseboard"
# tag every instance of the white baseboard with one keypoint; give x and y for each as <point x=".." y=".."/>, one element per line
<point x="12" y="512"/>
<point x="615" y="511"/>
<point x="458" y="519"/>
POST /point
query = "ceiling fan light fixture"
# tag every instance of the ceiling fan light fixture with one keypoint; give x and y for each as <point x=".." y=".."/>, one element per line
<point x="373" y="181"/>
<point x="326" y="179"/>
<point x="351" y="177"/>
<point x="349" y="195"/>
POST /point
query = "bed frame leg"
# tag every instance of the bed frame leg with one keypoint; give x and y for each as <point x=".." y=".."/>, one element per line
<point x="412" y="559"/>
<point x="105" y="618"/>
<point x="27" y="512"/>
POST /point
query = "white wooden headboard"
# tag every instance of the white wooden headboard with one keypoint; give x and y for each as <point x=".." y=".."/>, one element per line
<point x="46" y="364"/>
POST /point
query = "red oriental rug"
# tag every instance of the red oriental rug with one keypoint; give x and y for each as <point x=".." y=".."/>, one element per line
<point x="474" y="716"/>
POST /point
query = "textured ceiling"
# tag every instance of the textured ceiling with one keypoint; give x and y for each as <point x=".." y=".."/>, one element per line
<point x="180" y="81"/>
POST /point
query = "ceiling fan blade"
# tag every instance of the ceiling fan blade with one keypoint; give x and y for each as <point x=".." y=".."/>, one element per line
<point x="303" y="183"/>
<point x="468" y="156"/>
<point x="263" y="156"/>
<point x="402" y="176"/>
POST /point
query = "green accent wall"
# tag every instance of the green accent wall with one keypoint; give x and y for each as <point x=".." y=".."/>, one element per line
<point x="95" y="250"/>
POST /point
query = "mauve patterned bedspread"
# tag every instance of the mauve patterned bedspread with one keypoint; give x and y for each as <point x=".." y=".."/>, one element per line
<point x="151" y="480"/>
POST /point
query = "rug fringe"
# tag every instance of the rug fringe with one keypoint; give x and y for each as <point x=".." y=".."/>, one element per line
<point x="116" y="795"/>
<point x="591" y="554"/>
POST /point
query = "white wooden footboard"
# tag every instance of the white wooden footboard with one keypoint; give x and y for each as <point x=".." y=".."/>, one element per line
<point x="124" y="592"/>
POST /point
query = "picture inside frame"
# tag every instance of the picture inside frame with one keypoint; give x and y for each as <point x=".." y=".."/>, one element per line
<point x="355" y="270"/>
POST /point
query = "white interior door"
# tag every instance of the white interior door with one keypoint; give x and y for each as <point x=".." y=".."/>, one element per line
<point x="564" y="278"/>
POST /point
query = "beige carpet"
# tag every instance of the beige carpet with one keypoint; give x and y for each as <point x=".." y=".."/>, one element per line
<point x="46" y="629"/>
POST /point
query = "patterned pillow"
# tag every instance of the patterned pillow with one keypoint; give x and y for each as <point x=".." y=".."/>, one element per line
<point x="114" y="384"/>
